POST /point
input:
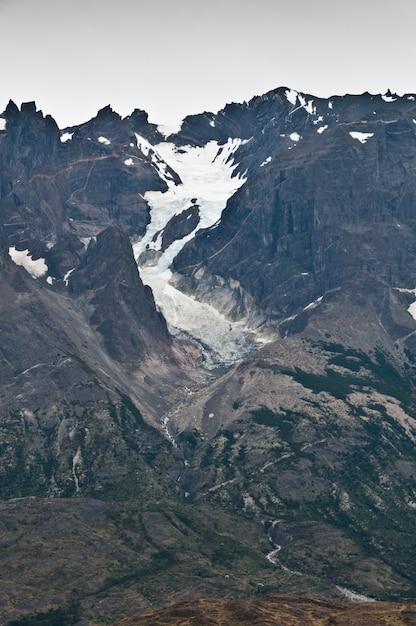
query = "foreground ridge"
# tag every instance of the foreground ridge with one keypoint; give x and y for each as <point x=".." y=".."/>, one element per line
<point x="274" y="611"/>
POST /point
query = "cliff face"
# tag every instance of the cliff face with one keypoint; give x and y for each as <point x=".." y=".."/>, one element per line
<point x="122" y="308"/>
<point x="332" y="211"/>
<point x="58" y="188"/>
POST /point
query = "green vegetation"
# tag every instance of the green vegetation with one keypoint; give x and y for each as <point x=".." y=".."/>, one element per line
<point x="53" y="617"/>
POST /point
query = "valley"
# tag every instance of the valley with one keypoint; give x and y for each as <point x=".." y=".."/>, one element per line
<point x="208" y="361"/>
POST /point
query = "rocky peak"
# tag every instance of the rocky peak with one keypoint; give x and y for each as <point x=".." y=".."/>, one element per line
<point x="107" y="113"/>
<point x="31" y="140"/>
<point x="124" y="311"/>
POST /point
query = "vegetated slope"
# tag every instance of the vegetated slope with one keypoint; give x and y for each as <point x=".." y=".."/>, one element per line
<point x="321" y="453"/>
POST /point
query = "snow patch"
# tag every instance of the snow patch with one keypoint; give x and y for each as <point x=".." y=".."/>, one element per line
<point x="66" y="277"/>
<point x="129" y="162"/>
<point x="387" y="98"/>
<point x="2" y="123"/>
<point x="212" y="123"/>
<point x="143" y="145"/>
<point x="66" y="137"/>
<point x="36" y="269"/>
<point x="313" y="304"/>
<point x="412" y="310"/>
<point x="321" y="129"/>
<point x="104" y="140"/>
<point x="330" y="104"/>
<point x="294" y="136"/>
<point x="291" y="96"/>
<point x="266" y="161"/>
<point x="353" y="596"/>
<point x="308" y="106"/>
<point x="361" y="137"/>
<point x="86" y="241"/>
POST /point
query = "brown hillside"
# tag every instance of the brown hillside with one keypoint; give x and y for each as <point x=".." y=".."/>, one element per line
<point x="275" y="611"/>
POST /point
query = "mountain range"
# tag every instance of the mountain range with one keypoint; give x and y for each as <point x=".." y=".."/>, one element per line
<point x="207" y="357"/>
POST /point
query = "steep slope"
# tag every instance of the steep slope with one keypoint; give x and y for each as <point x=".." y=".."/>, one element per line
<point x="58" y="189"/>
<point x="332" y="210"/>
<point x="69" y="364"/>
<point x="315" y="442"/>
<point x="123" y="309"/>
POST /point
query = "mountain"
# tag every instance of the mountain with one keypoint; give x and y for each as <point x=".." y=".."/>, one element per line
<point x="207" y="356"/>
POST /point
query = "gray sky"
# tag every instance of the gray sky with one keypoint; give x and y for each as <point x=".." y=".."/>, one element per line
<point x="175" y="57"/>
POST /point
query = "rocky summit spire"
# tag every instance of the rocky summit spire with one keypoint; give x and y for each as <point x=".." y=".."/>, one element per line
<point x="124" y="310"/>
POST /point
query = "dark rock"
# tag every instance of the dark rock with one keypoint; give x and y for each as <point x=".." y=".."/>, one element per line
<point x="330" y="213"/>
<point x="179" y="226"/>
<point x="124" y="310"/>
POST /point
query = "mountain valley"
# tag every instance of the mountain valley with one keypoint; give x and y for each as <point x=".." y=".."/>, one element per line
<point x="208" y="359"/>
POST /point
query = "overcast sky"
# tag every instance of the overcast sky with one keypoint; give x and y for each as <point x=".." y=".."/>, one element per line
<point x="175" y="57"/>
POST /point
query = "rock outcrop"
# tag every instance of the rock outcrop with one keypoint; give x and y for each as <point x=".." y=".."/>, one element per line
<point x="122" y="309"/>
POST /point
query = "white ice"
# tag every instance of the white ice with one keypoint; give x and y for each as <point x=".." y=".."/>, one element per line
<point x="2" y="123"/>
<point x="362" y="137"/>
<point x="155" y="157"/>
<point x="321" y="129"/>
<point x="294" y="136"/>
<point x="66" y="137"/>
<point x="36" y="269"/>
<point x="308" y="106"/>
<point x="291" y="96"/>
<point x="104" y="140"/>
<point x="313" y="304"/>
<point x="67" y="275"/>
<point x="207" y="176"/>
<point x="388" y="98"/>
<point x="266" y="161"/>
<point x="412" y="310"/>
<point x="129" y="162"/>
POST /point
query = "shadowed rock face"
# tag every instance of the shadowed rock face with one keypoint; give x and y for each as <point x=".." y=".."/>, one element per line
<point x="179" y="226"/>
<point x="330" y="211"/>
<point x="52" y="190"/>
<point x="124" y="311"/>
